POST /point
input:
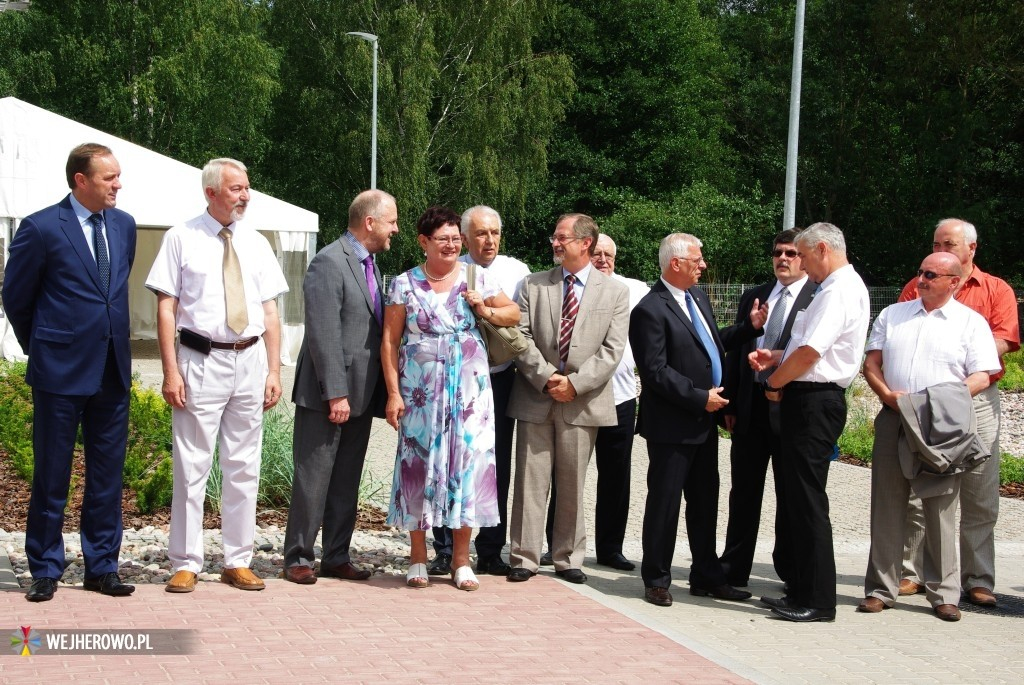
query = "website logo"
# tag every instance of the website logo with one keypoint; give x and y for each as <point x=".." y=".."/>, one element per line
<point x="25" y="641"/>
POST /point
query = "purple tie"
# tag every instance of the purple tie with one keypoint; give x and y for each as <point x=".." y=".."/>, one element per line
<point x="371" y="284"/>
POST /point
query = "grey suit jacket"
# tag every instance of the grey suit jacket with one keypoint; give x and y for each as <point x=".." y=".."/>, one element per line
<point x="598" y="340"/>
<point x="340" y="354"/>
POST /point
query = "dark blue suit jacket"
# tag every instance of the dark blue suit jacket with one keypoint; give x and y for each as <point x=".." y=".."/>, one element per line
<point x="55" y="304"/>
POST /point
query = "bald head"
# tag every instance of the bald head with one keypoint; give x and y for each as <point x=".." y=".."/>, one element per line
<point x="937" y="279"/>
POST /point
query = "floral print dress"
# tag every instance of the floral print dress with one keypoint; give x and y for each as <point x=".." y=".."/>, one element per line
<point x="444" y="469"/>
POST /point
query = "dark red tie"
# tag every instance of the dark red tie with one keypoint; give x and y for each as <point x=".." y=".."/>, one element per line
<point x="569" y="308"/>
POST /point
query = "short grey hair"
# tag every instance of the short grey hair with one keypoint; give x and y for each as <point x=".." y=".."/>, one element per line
<point x="608" y="239"/>
<point x="467" y="217"/>
<point x="822" y="232"/>
<point x="676" y="245"/>
<point x="367" y="203"/>
<point x="213" y="172"/>
<point x="969" y="231"/>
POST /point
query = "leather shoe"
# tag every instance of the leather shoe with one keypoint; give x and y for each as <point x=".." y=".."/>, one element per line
<point x="108" y="584"/>
<point x="772" y="602"/>
<point x="947" y="612"/>
<point x="981" y="596"/>
<point x="573" y="575"/>
<point x="909" y="587"/>
<point x="723" y="591"/>
<point x="346" y="571"/>
<point x="617" y="561"/>
<point x="440" y="566"/>
<point x="241" y="578"/>
<point x="42" y="590"/>
<point x="182" y="581"/>
<point x="546" y="560"/>
<point x="871" y="605"/>
<point x="658" y="596"/>
<point x="303" y="575"/>
<point x="519" y="575"/>
<point x="804" y="614"/>
<point x="494" y="566"/>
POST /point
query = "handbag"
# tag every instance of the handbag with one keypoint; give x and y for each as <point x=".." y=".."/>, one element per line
<point x="503" y="343"/>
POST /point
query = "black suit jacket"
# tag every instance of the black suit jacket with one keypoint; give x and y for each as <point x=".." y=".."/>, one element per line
<point x="737" y="376"/>
<point x="674" y="367"/>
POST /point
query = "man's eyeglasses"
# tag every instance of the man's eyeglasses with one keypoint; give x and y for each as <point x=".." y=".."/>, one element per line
<point x="930" y="275"/>
<point x="790" y="254"/>
<point x="447" y="239"/>
<point x="563" y="239"/>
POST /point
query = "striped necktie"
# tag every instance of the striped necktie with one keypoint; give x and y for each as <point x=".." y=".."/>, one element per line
<point x="570" y="305"/>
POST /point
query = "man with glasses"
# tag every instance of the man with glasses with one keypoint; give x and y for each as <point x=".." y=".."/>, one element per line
<point x="753" y="421"/>
<point x="915" y="346"/>
<point x="993" y="298"/>
<point x="678" y="350"/>
<point x="575" y="319"/>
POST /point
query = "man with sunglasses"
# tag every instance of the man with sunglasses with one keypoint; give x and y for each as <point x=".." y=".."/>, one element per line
<point x="993" y="298"/>
<point x="748" y="416"/>
<point x="915" y="346"/>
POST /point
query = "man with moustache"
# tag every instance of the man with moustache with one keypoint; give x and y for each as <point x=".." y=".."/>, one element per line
<point x="575" y="320"/>
<point x="749" y="416"/>
<point x="66" y="295"/>
<point x="338" y="390"/>
<point x="216" y="283"/>
<point x="915" y="346"/>
<point x="994" y="299"/>
<point x="678" y="350"/>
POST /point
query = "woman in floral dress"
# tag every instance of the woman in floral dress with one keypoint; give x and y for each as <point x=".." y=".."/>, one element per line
<point x="439" y="396"/>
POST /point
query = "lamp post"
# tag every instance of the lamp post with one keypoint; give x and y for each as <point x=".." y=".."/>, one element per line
<point x="789" y="208"/>
<point x="373" y="117"/>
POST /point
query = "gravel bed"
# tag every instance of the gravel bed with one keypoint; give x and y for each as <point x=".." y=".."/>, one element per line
<point x="1011" y="426"/>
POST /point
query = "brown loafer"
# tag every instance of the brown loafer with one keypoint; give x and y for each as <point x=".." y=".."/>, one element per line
<point x="871" y="605"/>
<point x="303" y="575"/>
<point x="981" y="596"/>
<point x="241" y="578"/>
<point x="658" y="596"/>
<point x="182" y="581"/>
<point x="947" y="612"/>
<point x="346" y="571"/>
<point x="909" y="587"/>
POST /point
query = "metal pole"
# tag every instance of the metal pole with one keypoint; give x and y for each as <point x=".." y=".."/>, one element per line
<point x="373" y="130"/>
<point x="789" y="210"/>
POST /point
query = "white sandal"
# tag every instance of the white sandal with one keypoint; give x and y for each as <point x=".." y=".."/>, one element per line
<point x="465" y="579"/>
<point x="417" y="576"/>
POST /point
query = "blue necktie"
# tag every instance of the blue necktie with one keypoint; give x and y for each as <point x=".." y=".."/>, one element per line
<point x="707" y="341"/>
<point x="100" y="244"/>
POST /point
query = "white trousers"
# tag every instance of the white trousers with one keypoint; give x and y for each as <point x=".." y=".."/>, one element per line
<point x="223" y="405"/>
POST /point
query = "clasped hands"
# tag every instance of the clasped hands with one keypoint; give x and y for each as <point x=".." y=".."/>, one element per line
<point x="560" y="388"/>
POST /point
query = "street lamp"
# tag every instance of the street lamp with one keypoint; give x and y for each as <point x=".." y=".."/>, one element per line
<point x="789" y="206"/>
<point x="373" y="125"/>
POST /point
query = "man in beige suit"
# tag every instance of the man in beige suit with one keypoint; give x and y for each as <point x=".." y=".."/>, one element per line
<point x="576" y="320"/>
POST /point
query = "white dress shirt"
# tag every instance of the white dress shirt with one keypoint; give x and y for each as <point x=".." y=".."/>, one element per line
<point x="624" y="378"/>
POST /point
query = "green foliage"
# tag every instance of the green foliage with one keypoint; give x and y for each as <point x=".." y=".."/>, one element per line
<point x="148" y="467"/>
<point x="16" y="417"/>
<point x="858" y="436"/>
<point x="1013" y="381"/>
<point x="1011" y="469"/>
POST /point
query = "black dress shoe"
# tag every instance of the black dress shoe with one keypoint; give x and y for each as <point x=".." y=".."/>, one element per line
<point x="722" y="591"/>
<point x="440" y="566"/>
<point x="519" y="575"/>
<point x="546" y="560"/>
<point x="494" y="566"/>
<point x="617" y="561"/>
<point x="772" y="602"/>
<point x="658" y="596"/>
<point x="42" y="590"/>
<point x="573" y="575"/>
<point x="804" y="614"/>
<point x="109" y="584"/>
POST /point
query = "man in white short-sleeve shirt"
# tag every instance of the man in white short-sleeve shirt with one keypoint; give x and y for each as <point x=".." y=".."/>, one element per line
<point x="916" y="345"/>
<point x="216" y="284"/>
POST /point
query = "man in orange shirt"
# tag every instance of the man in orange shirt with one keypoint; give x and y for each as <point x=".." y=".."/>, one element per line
<point x="994" y="299"/>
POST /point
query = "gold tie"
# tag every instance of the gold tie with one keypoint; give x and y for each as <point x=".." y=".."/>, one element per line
<point x="234" y="291"/>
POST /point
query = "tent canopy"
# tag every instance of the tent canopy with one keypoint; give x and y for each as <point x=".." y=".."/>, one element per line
<point x="158" y="191"/>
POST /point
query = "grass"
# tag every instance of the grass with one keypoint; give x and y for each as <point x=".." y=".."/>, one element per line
<point x="1013" y="381"/>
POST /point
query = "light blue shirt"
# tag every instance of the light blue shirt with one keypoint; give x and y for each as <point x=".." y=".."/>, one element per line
<point x="83" y="215"/>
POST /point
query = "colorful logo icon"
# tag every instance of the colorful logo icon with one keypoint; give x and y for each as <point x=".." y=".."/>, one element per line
<point x="25" y="641"/>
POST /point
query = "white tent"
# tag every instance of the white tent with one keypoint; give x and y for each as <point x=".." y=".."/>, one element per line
<point x="158" y="191"/>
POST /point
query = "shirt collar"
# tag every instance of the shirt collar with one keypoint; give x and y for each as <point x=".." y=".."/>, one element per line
<point x="214" y="226"/>
<point x="581" y="276"/>
<point x="357" y="247"/>
<point x="81" y="211"/>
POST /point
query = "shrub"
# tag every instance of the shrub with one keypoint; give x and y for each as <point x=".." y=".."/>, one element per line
<point x="148" y="468"/>
<point x="1011" y="469"/>
<point x="1013" y="381"/>
<point x="16" y="417"/>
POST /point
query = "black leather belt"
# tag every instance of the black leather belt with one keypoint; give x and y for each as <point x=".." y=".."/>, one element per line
<point x="808" y="386"/>
<point x="237" y="346"/>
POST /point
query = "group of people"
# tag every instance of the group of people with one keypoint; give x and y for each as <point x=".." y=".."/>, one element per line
<point x="775" y="379"/>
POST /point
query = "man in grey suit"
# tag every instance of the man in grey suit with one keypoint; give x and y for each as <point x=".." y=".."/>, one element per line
<point x="576" y="320"/>
<point x="338" y="390"/>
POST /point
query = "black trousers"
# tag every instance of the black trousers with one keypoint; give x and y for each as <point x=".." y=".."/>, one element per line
<point x="491" y="540"/>
<point x="690" y="471"/>
<point x="749" y="456"/>
<point x="813" y="416"/>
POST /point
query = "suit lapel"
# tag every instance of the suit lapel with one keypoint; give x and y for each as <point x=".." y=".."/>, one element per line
<point x="359" y="274"/>
<point x="674" y="307"/>
<point x="113" y="241"/>
<point x="704" y="305"/>
<point x="801" y="303"/>
<point x="76" y="236"/>
<point x="554" y="293"/>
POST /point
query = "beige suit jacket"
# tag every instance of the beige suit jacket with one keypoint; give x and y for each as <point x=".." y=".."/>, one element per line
<point x="598" y="340"/>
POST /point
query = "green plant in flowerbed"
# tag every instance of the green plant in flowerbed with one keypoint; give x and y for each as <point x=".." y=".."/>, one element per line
<point x="1013" y="381"/>
<point x="16" y="417"/>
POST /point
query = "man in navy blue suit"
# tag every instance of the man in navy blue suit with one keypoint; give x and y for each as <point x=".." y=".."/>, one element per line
<point x="66" y="295"/>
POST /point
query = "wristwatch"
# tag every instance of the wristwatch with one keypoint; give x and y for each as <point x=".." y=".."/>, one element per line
<point x="772" y="393"/>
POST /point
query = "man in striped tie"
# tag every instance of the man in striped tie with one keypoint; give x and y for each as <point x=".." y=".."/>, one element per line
<point x="576" y="320"/>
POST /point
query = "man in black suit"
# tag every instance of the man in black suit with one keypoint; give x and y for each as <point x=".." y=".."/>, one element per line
<point x="755" y="437"/>
<point x="678" y="351"/>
